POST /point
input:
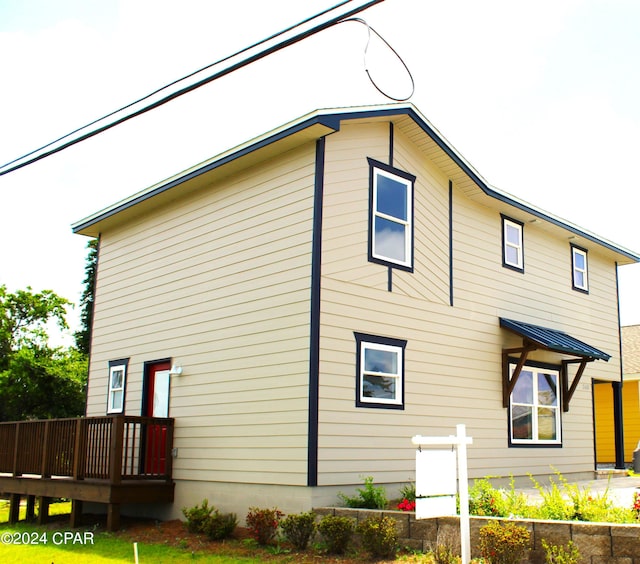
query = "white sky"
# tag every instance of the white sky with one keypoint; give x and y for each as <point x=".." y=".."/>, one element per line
<point x="541" y="97"/>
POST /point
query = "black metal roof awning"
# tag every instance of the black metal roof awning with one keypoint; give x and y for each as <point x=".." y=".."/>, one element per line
<point x="553" y="340"/>
<point x="535" y="337"/>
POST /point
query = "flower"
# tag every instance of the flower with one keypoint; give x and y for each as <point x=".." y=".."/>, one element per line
<point x="406" y="505"/>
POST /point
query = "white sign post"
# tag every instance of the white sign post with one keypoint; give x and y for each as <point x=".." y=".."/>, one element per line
<point x="436" y="481"/>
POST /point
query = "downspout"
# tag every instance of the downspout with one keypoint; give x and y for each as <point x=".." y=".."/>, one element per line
<point x="618" y="417"/>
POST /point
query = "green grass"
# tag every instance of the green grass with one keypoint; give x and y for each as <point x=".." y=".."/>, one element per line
<point x="106" y="547"/>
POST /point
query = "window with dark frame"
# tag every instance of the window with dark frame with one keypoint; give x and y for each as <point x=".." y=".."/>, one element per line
<point x="379" y="371"/>
<point x="579" y="269"/>
<point x="512" y="244"/>
<point x="391" y="216"/>
<point x="535" y="407"/>
<point x="117" y="384"/>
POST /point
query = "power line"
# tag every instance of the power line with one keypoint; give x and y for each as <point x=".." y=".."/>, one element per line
<point x="20" y="162"/>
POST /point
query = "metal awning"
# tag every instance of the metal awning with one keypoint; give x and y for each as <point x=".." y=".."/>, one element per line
<point x="553" y="340"/>
<point x="535" y="337"/>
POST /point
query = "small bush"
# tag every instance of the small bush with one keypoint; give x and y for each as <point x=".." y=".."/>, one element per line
<point x="197" y="516"/>
<point x="298" y="529"/>
<point x="503" y="543"/>
<point x="408" y="491"/>
<point x="263" y="523"/>
<point x="220" y="525"/>
<point x="444" y="554"/>
<point x="368" y="497"/>
<point x="379" y="536"/>
<point x="559" y="554"/>
<point x="336" y="532"/>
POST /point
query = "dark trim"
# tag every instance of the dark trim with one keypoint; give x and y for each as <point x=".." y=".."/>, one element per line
<point x="120" y="362"/>
<point x="573" y="268"/>
<point x="618" y="423"/>
<point x="544" y="366"/>
<point x="593" y="421"/>
<point x="390" y="279"/>
<point x="314" y="321"/>
<point x="377" y="339"/>
<point x="373" y="164"/>
<point x="503" y="219"/>
<point x="391" y="143"/>
<point x="333" y="121"/>
<point x="450" y="243"/>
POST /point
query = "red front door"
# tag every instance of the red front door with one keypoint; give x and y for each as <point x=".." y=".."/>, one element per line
<point x="156" y="405"/>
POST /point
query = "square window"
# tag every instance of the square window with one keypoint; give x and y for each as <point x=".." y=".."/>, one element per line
<point x="579" y="268"/>
<point x="535" y="407"/>
<point x="391" y="216"/>
<point x="379" y="371"/>
<point x="512" y="244"/>
<point x="117" y="381"/>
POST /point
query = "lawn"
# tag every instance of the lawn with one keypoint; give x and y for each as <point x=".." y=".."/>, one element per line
<point x="157" y="542"/>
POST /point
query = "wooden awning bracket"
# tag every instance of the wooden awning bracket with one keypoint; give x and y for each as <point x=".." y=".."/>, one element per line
<point x="509" y="382"/>
<point x="568" y="391"/>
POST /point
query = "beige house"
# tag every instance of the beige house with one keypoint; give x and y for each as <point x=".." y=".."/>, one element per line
<point x="303" y="304"/>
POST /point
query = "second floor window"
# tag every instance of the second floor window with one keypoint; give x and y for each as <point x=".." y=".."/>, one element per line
<point x="391" y="220"/>
<point x="580" y="278"/>
<point x="512" y="244"/>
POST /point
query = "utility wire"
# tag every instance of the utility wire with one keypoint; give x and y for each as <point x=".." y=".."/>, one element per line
<point x="244" y="62"/>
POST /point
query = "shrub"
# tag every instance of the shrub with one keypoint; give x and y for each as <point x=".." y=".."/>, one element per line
<point x="368" y="497"/>
<point x="379" y="536"/>
<point x="636" y="505"/>
<point x="299" y="528"/>
<point x="336" y="532"/>
<point x="444" y="554"/>
<point x="263" y="523"/>
<point x="197" y="516"/>
<point x="408" y="491"/>
<point x="503" y="543"/>
<point x="559" y="554"/>
<point x="485" y="500"/>
<point x="220" y="525"/>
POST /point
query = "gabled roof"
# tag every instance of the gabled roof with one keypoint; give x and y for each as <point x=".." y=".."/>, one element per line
<point x="553" y="340"/>
<point x="323" y="122"/>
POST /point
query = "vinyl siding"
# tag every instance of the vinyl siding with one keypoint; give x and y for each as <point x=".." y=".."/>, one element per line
<point x="219" y="281"/>
<point x="453" y="356"/>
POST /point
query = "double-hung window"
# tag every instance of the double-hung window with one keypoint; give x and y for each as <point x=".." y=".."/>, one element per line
<point x="534" y="411"/>
<point x="580" y="278"/>
<point x="391" y="216"/>
<point x="117" y="381"/>
<point x="379" y="371"/>
<point x="512" y="244"/>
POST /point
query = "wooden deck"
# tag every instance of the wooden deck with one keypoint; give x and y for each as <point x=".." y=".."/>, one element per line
<point x="112" y="460"/>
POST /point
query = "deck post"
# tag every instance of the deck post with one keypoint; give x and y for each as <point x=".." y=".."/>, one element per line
<point x="31" y="507"/>
<point x="79" y="450"/>
<point x="43" y="509"/>
<point x="113" y="516"/>
<point x="115" y="456"/>
<point x="75" y="520"/>
<point x="14" y="508"/>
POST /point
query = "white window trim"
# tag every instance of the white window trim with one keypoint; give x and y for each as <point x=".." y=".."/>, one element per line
<point x="519" y="264"/>
<point x="534" y="420"/>
<point x="112" y="391"/>
<point x="575" y="269"/>
<point x="366" y="342"/>
<point x="408" y="224"/>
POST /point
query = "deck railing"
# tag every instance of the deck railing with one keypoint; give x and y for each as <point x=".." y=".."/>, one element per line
<point x="114" y="448"/>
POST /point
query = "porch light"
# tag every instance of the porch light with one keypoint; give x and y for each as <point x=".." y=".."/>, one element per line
<point x="176" y="370"/>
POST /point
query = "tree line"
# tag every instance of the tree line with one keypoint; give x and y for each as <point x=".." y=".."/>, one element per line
<point x="38" y="381"/>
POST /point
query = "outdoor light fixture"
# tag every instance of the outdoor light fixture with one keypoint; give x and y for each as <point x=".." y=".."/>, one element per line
<point x="176" y="370"/>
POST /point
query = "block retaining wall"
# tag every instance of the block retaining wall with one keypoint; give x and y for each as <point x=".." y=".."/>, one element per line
<point x="598" y="543"/>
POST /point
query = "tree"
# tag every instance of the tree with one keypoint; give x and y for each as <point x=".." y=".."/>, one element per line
<point x="37" y="381"/>
<point x="83" y="335"/>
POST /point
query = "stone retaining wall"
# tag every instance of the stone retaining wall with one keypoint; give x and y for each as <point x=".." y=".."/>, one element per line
<point x="598" y="543"/>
